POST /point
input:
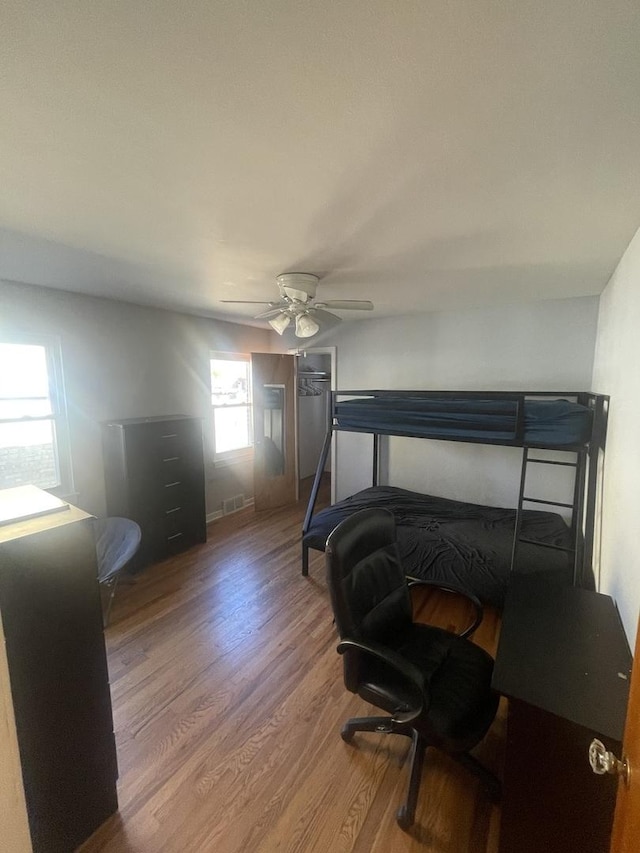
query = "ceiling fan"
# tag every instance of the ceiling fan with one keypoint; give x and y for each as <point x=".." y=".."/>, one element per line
<point x="297" y="305"/>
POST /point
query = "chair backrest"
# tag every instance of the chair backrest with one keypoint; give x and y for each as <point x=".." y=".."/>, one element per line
<point x="369" y="592"/>
<point x="117" y="540"/>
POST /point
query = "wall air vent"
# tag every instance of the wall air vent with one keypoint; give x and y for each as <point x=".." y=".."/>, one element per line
<point x="232" y="504"/>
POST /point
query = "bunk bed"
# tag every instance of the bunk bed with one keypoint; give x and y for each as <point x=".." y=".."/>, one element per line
<point x="469" y="546"/>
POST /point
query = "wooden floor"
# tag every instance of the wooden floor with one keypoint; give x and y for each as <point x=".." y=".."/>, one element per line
<point x="228" y="701"/>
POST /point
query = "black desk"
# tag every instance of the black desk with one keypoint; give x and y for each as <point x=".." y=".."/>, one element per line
<point x="563" y="662"/>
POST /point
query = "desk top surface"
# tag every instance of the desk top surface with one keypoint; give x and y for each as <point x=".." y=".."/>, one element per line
<point x="564" y="650"/>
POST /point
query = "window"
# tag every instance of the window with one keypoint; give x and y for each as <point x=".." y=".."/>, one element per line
<point x="231" y="402"/>
<point x="34" y="447"/>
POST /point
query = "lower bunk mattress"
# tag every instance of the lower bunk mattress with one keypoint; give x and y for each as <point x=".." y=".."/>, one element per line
<point x="462" y="544"/>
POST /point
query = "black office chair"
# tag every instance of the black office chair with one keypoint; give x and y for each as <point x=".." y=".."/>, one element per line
<point x="433" y="683"/>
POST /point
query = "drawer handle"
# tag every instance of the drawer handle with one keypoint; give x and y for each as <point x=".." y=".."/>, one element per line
<point x="171" y="459"/>
<point x="169" y="485"/>
<point x="170" y="435"/>
<point x="175" y="536"/>
<point x="175" y="509"/>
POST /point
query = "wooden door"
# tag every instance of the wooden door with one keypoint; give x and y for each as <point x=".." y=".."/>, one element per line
<point x="626" y="824"/>
<point x="275" y="458"/>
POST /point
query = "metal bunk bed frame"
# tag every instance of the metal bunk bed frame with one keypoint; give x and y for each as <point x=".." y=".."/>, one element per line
<point x="586" y="466"/>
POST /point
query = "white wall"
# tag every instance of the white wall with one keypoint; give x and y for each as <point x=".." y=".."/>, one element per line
<point x="312" y="428"/>
<point x="546" y="345"/>
<point x="616" y="365"/>
<point x="122" y="360"/>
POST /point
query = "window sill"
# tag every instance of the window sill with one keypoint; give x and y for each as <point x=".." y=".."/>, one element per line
<point x="229" y="461"/>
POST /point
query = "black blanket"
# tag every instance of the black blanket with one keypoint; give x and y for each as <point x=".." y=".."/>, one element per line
<point x="467" y="545"/>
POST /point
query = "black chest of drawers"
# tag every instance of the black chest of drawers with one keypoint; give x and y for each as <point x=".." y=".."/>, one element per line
<point x="55" y="676"/>
<point x="154" y="474"/>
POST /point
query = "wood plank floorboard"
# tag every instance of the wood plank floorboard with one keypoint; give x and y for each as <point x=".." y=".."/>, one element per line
<point x="228" y="701"/>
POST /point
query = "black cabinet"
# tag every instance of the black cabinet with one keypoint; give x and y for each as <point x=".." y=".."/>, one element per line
<point x="564" y="663"/>
<point x="154" y="474"/>
<point x="57" y="667"/>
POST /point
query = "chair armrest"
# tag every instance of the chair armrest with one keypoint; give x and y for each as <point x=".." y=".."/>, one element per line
<point x="477" y="606"/>
<point x="401" y="665"/>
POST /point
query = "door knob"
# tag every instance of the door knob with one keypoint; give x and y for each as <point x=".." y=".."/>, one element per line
<point x="602" y="761"/>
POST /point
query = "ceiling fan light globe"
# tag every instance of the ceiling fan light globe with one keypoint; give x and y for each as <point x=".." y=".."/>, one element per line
<point x="306" y="326"/>
<point x="280" y="323"/>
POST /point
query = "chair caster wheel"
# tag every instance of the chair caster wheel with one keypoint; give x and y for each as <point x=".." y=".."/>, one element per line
<point x="403" y="818"/>
<point x="346" y="735"/>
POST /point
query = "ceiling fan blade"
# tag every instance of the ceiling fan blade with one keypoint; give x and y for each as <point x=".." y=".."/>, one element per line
<point x="347" y="304"/>
<point x="325" y="316"/>
<point x="248" y="302"/>
<point x="272" y="312"/>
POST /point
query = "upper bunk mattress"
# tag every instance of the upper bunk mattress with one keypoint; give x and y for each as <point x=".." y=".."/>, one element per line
<point x="554" y="423"/>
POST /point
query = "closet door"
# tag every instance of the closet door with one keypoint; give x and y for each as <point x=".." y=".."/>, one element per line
<point x="275" y="474"/>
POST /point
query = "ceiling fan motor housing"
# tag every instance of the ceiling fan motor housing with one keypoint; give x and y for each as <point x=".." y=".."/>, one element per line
<point x="298" y="286"/>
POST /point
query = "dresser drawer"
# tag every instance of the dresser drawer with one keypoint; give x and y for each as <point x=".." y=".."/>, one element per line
<point x="178" y="519"/>
<point x="162" y="452"/>
<point x="153" y="502"/>
<point x="173" y="532"/>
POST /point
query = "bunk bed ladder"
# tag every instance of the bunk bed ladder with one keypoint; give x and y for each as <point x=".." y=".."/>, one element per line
<point x="577" y="550"/>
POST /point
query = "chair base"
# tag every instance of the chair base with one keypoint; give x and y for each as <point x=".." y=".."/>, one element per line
<point x="110" y="586"/>
<point x="405" y="815"/>
<point x="382" y="725"/>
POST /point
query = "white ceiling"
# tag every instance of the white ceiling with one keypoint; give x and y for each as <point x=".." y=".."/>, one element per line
<point x="420" y="153"/>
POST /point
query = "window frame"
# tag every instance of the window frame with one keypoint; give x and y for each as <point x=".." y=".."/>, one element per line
<point x="58" y="417"/>
<point x="240" y="454"/>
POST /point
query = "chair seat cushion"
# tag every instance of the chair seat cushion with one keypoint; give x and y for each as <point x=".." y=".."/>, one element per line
<point x="457" y="677"/>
